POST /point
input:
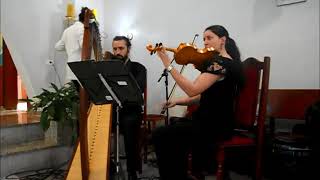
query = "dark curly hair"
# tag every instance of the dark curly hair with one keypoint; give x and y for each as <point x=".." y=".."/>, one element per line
<point x="127" y="40"/>
<point x="82" y="14"/>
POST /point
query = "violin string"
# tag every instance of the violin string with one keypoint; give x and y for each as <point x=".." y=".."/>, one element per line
<point x="97" y="39"/>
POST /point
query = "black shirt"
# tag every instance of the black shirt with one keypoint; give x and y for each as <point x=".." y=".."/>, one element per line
<point x="139" y="72"/>
<point x="215" y="115"/>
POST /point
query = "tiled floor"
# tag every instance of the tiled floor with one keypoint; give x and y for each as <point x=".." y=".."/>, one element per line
<point x="150" y="171"/>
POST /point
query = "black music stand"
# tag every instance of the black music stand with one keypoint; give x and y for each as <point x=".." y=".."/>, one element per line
<point x="108" y="82"/>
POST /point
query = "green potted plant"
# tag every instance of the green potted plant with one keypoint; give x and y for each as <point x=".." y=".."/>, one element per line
<point x="60" y="105"/>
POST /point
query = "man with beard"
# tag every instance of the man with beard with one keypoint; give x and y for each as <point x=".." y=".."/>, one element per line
<point x="130" y="116"/>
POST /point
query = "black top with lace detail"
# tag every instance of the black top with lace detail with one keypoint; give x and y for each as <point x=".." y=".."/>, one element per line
<point x="215" y="115"/>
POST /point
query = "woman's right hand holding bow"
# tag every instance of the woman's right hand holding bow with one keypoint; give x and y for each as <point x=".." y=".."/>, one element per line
<point x="169" y="104"/>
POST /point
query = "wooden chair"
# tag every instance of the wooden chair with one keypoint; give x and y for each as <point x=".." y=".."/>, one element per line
<point x="143" y="132"/>
<point x="148" y="123"/>
<point x="250" y="113"/>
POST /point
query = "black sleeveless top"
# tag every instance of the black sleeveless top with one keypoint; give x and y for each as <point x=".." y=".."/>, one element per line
<point x="215" y="116"/>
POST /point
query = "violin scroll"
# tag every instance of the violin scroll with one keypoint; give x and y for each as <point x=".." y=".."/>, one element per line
<point x="152" y="49"/>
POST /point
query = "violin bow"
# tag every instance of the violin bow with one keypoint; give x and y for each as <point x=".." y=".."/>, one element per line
<point x="175" y="83"/>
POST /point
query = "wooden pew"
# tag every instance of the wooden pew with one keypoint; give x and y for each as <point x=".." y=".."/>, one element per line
<point x="292" y="150"/>
<point x="290" y="103"/>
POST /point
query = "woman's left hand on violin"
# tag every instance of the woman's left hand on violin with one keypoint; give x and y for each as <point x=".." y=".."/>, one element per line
<point x="162" y="54"/>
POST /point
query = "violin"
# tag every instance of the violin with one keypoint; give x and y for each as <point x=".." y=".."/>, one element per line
<point x="186" y="53"/>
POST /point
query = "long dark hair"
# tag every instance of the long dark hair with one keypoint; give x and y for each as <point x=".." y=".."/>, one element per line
<point x="233" y="51"/>
<point x="231" y="46"/>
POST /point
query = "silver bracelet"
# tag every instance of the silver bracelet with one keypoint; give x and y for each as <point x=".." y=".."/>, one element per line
<point x="169" y="68"/>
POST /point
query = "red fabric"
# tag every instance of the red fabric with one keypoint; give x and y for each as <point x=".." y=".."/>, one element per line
<point x="191" y="109"/>
<point x="246" y="103"/>
<point x="238" y="141"/>
<point x="10" y="90"/>
<point x="1" y="85"/>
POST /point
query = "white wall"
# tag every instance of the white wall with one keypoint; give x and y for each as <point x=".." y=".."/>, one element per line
<point x="288" y="34"/>
<point x="31" y="29"/>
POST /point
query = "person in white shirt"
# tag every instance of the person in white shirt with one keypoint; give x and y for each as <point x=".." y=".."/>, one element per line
<point x="71" y="42"/>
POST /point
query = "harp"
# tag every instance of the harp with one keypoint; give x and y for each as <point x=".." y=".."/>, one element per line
<point x="90" y="159"/>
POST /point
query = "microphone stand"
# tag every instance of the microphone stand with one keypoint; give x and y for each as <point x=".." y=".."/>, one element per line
<point x="165" y="74"/>
<point x="166" y="82"/>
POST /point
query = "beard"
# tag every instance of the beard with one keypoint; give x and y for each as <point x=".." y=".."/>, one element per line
<point x="120" y="57"/>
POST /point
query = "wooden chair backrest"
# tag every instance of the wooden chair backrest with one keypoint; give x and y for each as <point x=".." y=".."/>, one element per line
<point x="250" y="106"/>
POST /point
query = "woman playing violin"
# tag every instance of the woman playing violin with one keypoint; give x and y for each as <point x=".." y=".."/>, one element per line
<point x="214" y="90"/>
